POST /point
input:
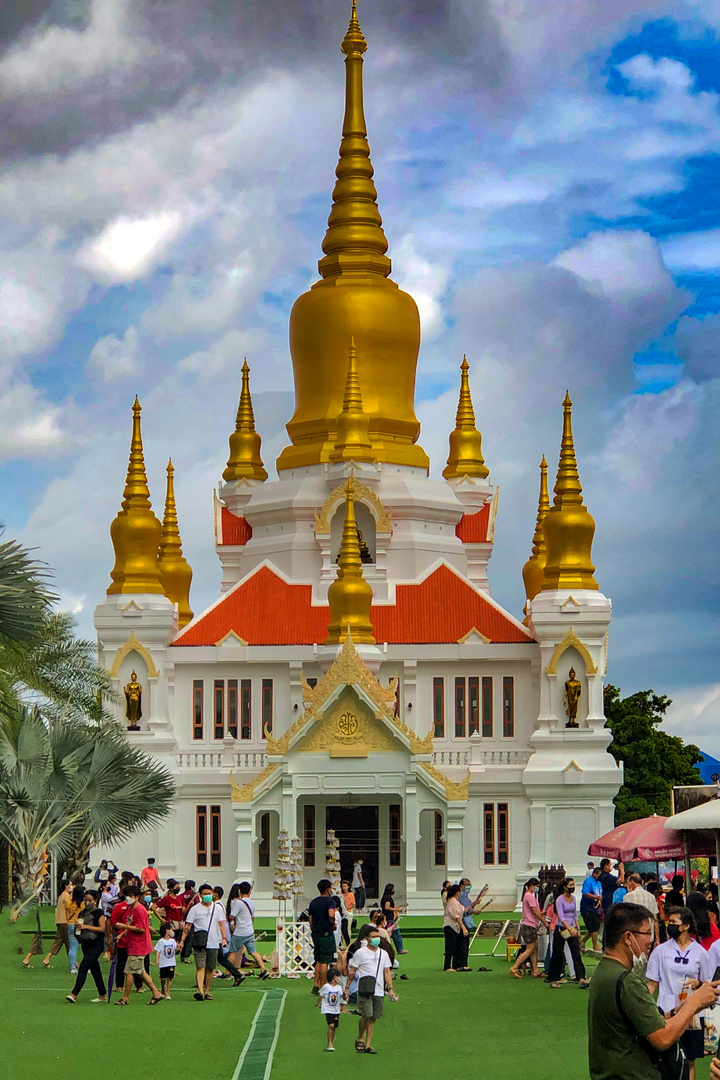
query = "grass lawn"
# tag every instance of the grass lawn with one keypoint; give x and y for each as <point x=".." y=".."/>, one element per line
<point x="483" y="1022"/>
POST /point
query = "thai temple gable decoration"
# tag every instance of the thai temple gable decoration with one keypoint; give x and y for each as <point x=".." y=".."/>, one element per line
<point x="454" y="792"/>
<point x="350" y="595"/>
<point x="383" y="514"/>
<point x="533" y="570"/>
<point x="353" y="426"/>
<point x="245" y="461"/>
<point x="355" y="298"/>
<point x="136" y="532"/>
<point x="175" y="571"/>
<point x="568" y="527"/>
<point x="465" y="458"/>
<point x="246" y="793"/>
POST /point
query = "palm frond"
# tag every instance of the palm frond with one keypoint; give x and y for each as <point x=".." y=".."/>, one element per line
<point x="25" y="596"/>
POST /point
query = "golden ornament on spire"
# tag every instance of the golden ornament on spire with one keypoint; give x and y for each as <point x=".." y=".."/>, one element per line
<point x="350" y="595"/>
<point x="245" y="457"/>
<point x="355" y="298"/>
<point x="353" y="426"/>
<point x="135" y="532"/>
<point x="568" y="527"/>
<point x="533" y="570"/>
<point x="175" y="572"/>
<point x="465" y="441"/>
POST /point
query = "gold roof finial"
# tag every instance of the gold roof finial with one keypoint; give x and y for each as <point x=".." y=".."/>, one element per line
<point x="175" y="572"/>
<point x="465" y="457"/>
<point x="353" y="426"/>
<point x="568" y="527"/>
<point x="135" y="532"/>
<point x="350" y="595"/>
<point x="533" y="570"/>
<point x="245" y="460"/>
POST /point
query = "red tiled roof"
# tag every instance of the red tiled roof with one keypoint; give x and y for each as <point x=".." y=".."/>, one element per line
<point x="266" y="610"/>
<point x="472" y="528"/>
<point x="235" y="530"/>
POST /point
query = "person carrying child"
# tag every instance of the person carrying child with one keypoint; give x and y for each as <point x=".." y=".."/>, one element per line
<point x="329" y="1004"/>
<point x="165" y="954"/>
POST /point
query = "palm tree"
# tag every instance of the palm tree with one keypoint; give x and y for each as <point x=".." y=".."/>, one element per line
<point x="25" y="597"/>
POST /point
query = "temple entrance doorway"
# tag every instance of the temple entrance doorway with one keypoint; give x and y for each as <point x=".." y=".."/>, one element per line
<point x="356" y="827"/>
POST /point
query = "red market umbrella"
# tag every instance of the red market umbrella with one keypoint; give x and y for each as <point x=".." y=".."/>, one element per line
<point x="644" y="840"/>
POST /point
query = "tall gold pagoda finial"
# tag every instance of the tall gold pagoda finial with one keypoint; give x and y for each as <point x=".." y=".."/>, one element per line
<point x="465" y="457"/>
<point x="245" y="457"/>
<point x="175" y="572"/>
<point x="350" y="595"/>
<point x="568" y="527"/>
<point x="353" y="426"/>
<point x="135" y="532"/>
<point x="533" y="570"/>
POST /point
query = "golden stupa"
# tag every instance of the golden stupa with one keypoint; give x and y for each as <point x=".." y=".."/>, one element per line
<point x="355" y="299"/>
<point x="465" y="457"/>
<point x="175" y="572"/>
<point x="245" y="460"/>
<point x="350" y="595"/>
<point x="533" y="571"/>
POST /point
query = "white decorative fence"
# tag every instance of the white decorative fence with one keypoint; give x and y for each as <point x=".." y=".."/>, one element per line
<point x="294" y="948"/>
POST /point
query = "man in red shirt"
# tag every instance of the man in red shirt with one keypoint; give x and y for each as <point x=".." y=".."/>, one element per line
<point x="171" y="908"/>
<point x="136" y="923"/>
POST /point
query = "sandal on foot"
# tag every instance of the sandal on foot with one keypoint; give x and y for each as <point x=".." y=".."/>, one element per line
<point x="70" y="998"/>
<point x="120" y="1001"/>
<point x="515" y="974"/>
<point x="360" y="1046"/>
<point x="26" y="964"/>
<point x="46" y="966"/>
<point x="154" y="1000"/>
<point x="370" y="1050"/>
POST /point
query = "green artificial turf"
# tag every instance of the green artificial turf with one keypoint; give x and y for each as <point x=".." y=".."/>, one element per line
<point x="482" y="1023"/>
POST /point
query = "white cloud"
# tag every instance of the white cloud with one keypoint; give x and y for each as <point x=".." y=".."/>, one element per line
<point x="693" y="251"/>
<point x="116" y="357"/>
<point x="127" y="250"/>
<point x="662" y="74"/>
<point x="695" y="716"/>
<point x="651" y="427"/>
<point x="225" y="356"/>
<point x="426" y="281"/>
<point x="29" y="426"/>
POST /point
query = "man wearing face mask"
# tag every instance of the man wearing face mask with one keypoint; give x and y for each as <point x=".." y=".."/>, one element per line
<point x="626" y="1030"/>
<point x="207" y="920"/>
<point x="171" y="908"/>
<point x="372" y="966"/>
<point x="136" y="923"/>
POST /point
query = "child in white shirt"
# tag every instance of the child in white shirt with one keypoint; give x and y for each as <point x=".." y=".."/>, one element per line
<point x="329" y="1004"/>
<point x="165" y="950"/>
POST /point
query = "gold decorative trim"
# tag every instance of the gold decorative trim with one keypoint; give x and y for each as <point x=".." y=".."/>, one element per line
<point x="231" y="638"/>
<point x="133" y="645"/>
<point x="246" y="793"/>
<point x="383" y="517"/>
<point x="466" y="637"/>
<point x="571" y="641"/>
<point x="572" y="767"/>
<point x="453" y="792"/>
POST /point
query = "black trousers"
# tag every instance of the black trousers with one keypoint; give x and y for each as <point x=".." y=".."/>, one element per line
<point x="91" y="963"/>
<point x="344" y="931"/>
<point x="226" y="963"/>
<point x="186" y="951"/>
<point x="456" y="949"/>
<point x="557" y="960"/>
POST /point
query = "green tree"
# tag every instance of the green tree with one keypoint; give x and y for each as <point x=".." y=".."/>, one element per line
<point x="25" y="596"/>
<point x="654" y="761"/>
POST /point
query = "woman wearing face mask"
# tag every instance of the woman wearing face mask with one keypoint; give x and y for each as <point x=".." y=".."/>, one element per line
<point x="530" y="921"/>
<point x="91" y="926"/>
<point x="677" y="968"/>
<point x="392" y="917"/>
<point x="456" y="933"/>
<point x="567" y="932"/>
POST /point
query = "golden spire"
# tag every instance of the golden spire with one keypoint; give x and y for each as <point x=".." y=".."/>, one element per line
<point x="245" y="457"/>
<point x="568" y="527"/>
<point x="353" y="426"/>
<point x="533" y="569"/>
<point x="175" y="572"/>
<point x="349" y="595"/>
<point x="354" y="298"/>
<point x="465" y="441"/>
<point x="135" y="532"/>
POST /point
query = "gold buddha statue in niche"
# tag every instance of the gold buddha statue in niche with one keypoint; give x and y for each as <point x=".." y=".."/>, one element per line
<point x="133" y="702"/>
<point x="573" y="693"/>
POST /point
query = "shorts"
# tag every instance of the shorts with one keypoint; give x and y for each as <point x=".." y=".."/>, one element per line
<point x="592" y="921"/>
<point x="370" y="1006"/>
<point x="528" y="935"/>
<point x="205" y="958"/>
<point x="135" y="965"/>
<point x="167" y="972"/>
<point x="333" y="1019"/>
<point x="240" y="941"/>
<point x="693" y="1042"/>
<point x="324" y="948"/>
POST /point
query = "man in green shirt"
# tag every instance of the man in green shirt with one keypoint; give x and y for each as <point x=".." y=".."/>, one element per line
<point x="615" y="1052"/>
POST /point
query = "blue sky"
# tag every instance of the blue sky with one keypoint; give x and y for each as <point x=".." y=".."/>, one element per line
<point x="547" y="179"/>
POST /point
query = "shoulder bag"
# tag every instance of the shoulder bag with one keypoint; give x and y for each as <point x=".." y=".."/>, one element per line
<point x="669" y="1063"/>
<point x="200" y="937"/>
<point x="367" y="983"/>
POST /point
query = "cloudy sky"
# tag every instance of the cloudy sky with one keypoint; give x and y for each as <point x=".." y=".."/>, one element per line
<point x="547" y="174"/>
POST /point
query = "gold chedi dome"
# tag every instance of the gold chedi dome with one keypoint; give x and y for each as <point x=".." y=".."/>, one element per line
<point x="135" y="532"/>
<point x="534" y="569"/>
<point x="353" y="425"/>
<point x="350" y="595"/>
<point x="355" y="298"/>
<point x="465" y="457"/>
<point x="245" y="460"/>
<point x="175" y="572"/>
<point x="568" y="527"/>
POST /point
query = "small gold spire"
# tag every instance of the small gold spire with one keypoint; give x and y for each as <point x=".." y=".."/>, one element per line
<point x="354" y="239"/>
<point x="353" y="426"/>
<point x="533" y="570"/>
<point x="350" y="595"/>
<point x="135" y="532"/>
<point x="568" y="527"/>
<point x="465" y="441"/>
<point x="175" y="572"/>
<point x="245" y="457"/>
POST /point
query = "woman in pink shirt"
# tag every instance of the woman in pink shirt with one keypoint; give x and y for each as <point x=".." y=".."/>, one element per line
<point x="530" y="921"/>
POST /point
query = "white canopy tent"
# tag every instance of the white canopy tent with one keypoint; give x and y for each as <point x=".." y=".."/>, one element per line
<point x="704" y="817"/>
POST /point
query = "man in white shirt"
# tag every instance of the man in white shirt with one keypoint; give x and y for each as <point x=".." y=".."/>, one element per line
<point x="242" y="910"/>
<point x="358" y="884"/>
<point x="637" y="895"/>
<point x="370" y="962"/>
<point x="208" y="922"/>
